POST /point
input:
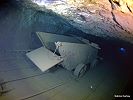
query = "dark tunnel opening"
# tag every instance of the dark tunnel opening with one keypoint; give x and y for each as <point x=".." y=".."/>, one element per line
<point x="118" y="52"/>
<point x="4" y="3"/>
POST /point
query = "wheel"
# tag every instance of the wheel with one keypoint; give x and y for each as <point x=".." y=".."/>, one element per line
<point x="94" y="63"/>
<point x="80" y="70"/>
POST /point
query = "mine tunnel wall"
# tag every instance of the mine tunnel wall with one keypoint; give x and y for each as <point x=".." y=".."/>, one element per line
<point x="19" y="24"/>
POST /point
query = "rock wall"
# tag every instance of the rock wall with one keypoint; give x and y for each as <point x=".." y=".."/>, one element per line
<point x="109" y="19"/>
<point x="125" y="6"/>
<point x="80" y="3"/>
<point x="119" y="13"/>
<point x="122" y="11"/>
<point x="18" y="24"/>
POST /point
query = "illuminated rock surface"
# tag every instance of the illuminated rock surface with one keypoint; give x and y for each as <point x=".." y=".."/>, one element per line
<point x="103" y="18"/>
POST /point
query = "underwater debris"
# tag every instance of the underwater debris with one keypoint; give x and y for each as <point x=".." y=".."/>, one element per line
<point x="3" y="87"/>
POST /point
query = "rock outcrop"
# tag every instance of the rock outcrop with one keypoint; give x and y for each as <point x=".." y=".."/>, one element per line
<point x="125" y="6"/>
<point x="122" y="11"/>
<point x="103" y="18"/>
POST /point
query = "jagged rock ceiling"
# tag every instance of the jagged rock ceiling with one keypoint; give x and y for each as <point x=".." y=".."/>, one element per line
<point x="103" y="18"/>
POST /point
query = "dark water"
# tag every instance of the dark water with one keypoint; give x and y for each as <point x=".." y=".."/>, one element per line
<point x="18" y="27"/>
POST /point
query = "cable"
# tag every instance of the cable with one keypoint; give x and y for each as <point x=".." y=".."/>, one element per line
<point x="21" y="78"/>
<point x="57" y="44"/>
<point x="44" y="91"/>
<point x="13" y="69"/>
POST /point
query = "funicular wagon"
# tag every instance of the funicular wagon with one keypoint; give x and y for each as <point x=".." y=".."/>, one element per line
<point x="72" y="53"/>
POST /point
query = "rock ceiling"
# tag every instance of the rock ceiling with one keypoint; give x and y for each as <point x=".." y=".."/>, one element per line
<point x="103" y="18"/>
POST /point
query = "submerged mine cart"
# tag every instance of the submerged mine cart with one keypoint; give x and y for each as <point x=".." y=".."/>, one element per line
<point x="73" y="53"/>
